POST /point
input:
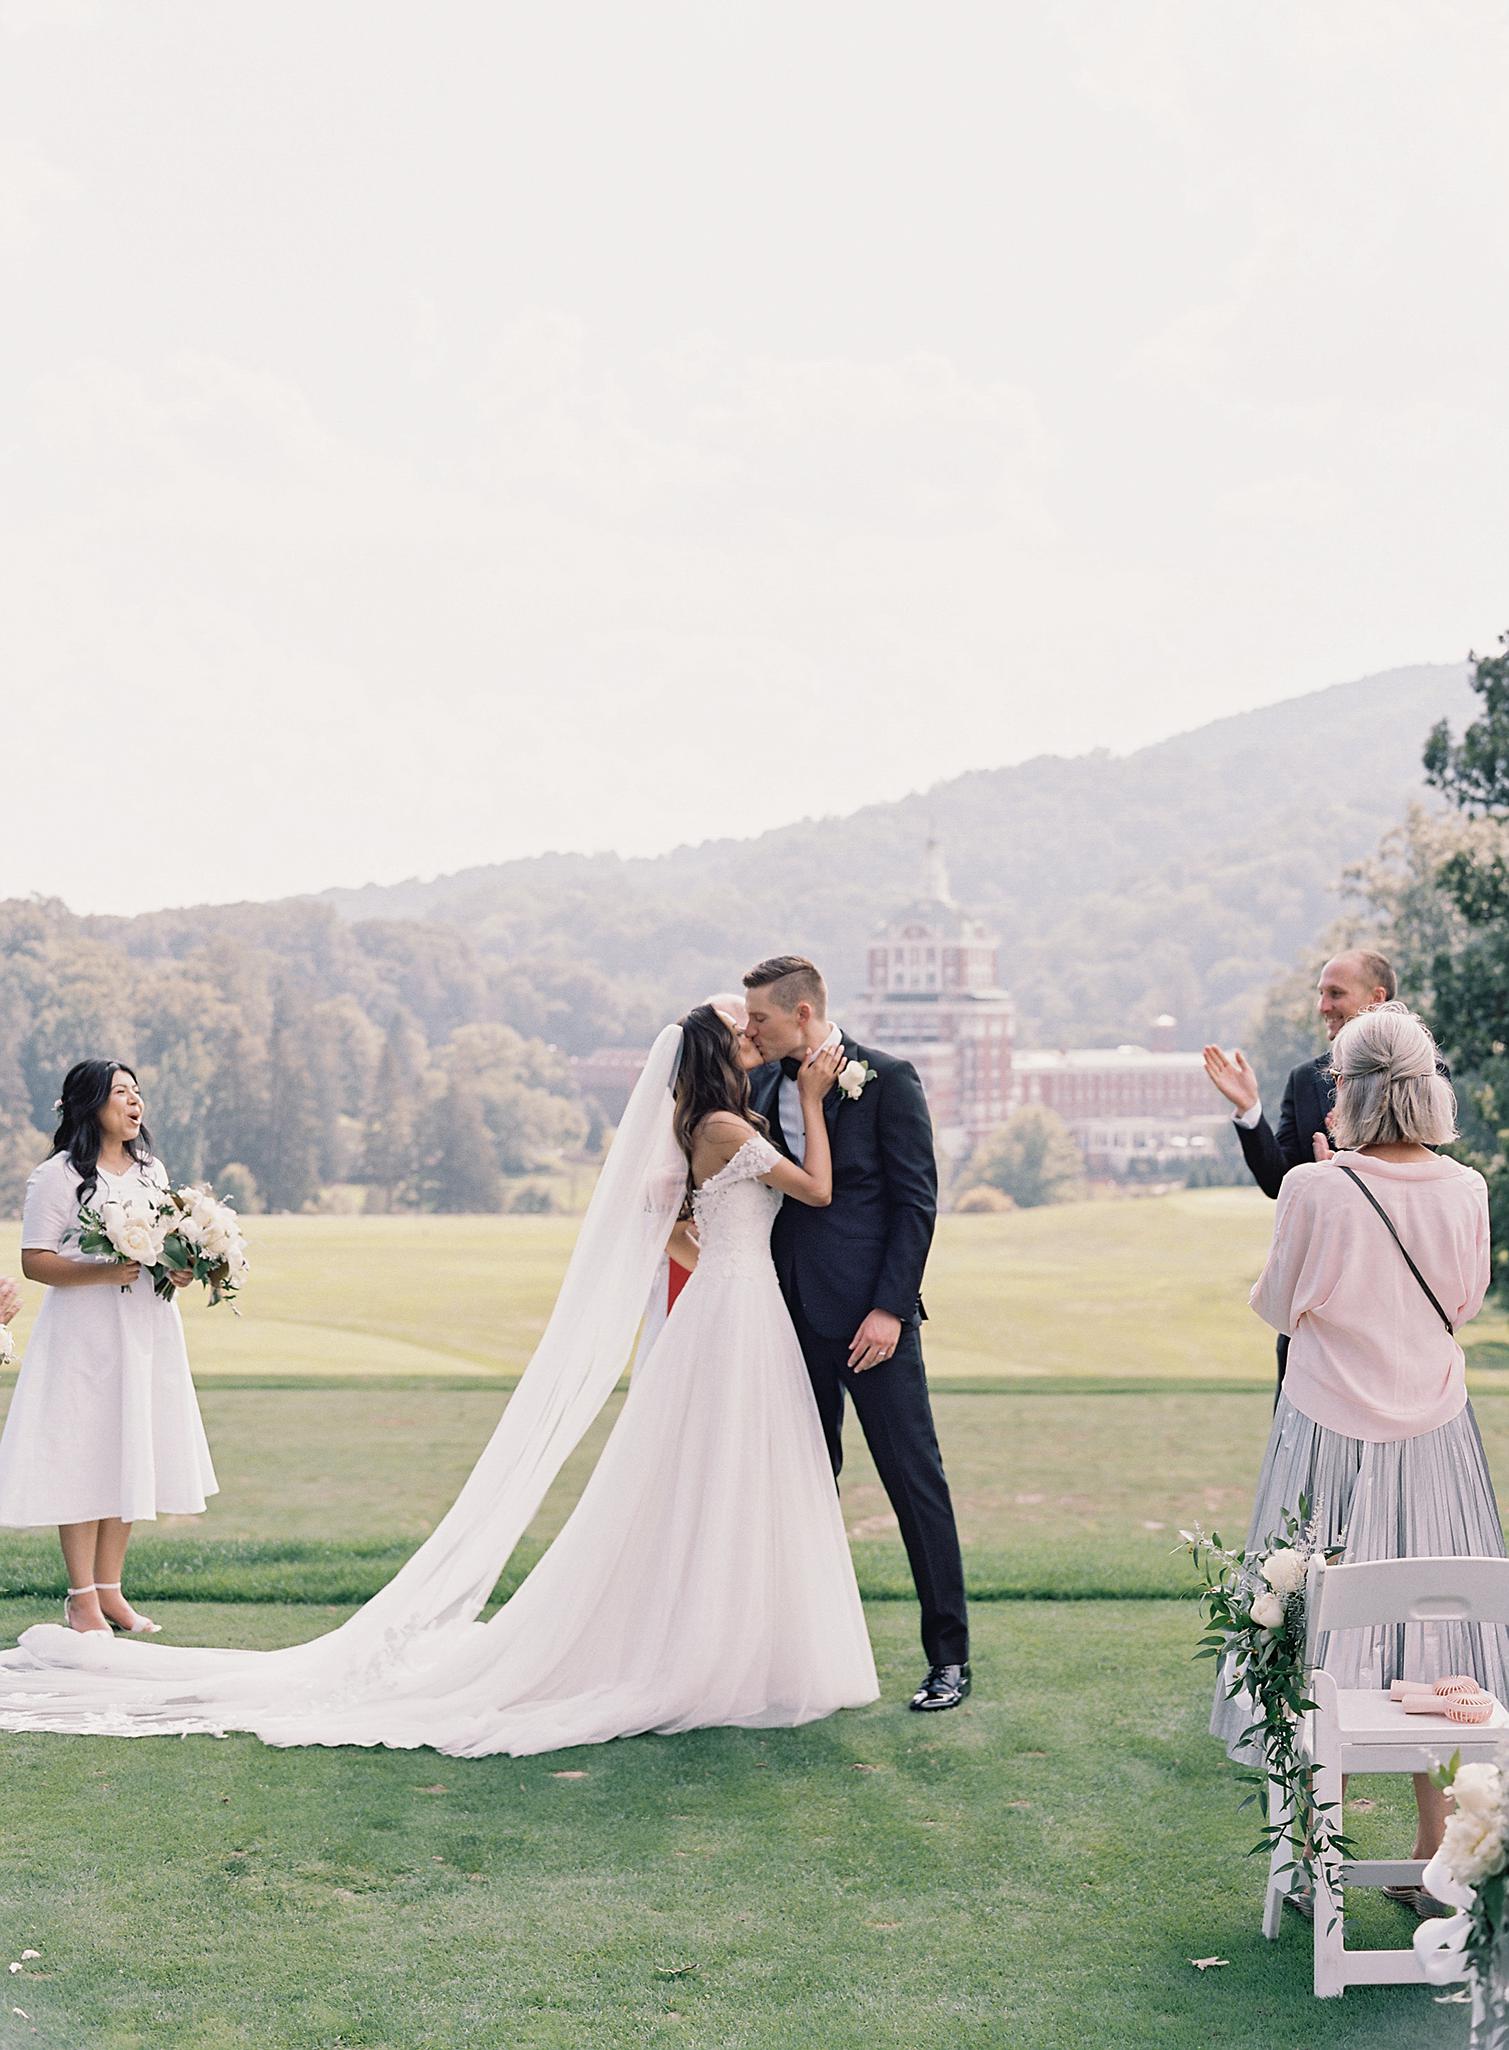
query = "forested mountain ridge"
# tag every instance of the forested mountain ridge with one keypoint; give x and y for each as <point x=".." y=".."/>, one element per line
<point x="1179" y="878"/>
<point x="407" y="1045"/>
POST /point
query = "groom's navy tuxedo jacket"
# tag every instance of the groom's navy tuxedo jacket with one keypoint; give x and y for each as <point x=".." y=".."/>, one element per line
<point x="867" y="1250"/>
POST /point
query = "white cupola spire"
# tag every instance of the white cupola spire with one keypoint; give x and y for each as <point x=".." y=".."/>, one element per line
<point x="935" y="889"/>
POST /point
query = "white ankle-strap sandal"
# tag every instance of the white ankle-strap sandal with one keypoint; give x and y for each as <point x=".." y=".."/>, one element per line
<point x="95" y="1629"/>
<point x="142" y="1627"/>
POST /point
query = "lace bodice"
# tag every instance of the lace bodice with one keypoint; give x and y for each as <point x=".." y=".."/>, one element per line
<point x="734" y="1210"/>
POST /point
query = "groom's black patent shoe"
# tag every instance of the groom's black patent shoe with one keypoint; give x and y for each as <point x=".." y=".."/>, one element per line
<point x="944" y="1687"/>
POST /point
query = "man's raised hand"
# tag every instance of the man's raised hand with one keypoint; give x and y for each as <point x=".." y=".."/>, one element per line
<point x="1232" y="1076"/>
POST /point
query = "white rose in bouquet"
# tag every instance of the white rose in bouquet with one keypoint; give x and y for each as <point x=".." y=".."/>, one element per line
<point x="1472" y="1848"/>
<point x="1284" y="1571"/>
<point x="1478" y="1790"/>
<point x="134" y="1232"/>
<point x="7" y="1346"/>
<point x="1268" y="1612"/>
<point x="210" y="1233"/>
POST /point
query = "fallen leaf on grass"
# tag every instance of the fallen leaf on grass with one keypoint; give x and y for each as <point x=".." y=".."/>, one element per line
<point x="674" y="1971"/>
<point x="13" y="1968"/>
<point x="436" y="1789"/>
<point x="29" y="1953"/>
<point x="1018" y="1804"/>
<point x="22" y="2012"/>
<point x="857" y="1767"/>
<point x="1034" y="1754"/>
<point x="568" y="1775"/>
<point x="1362" y="1802"/>
<point x="1203" y="1964"/>
<point x="882" y="1925"/>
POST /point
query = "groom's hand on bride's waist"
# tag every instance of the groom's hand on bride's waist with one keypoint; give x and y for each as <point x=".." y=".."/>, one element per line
<point x="874" y="1341"/>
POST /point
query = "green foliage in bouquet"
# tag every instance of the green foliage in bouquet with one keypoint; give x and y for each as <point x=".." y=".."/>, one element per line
<point x="203" y="1239"/>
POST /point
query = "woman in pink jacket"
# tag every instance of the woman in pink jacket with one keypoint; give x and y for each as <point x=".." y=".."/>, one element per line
<point x="1373" y="1428"/>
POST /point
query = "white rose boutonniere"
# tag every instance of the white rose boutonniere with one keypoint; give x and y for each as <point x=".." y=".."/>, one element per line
<point x="7" y="1346"/>
<point x="854" y="1077"/>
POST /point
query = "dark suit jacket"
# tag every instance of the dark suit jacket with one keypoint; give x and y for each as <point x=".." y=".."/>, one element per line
<point x="867" y="1250"/>
<point x="1309" y="1099"/>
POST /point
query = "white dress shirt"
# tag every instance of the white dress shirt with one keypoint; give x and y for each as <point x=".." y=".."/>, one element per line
<point x="788" y="1106"/>
<point x="1248" y="1119"/>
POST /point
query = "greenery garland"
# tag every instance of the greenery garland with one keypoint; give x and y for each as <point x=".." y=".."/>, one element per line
<point x="1254" y="1604"/>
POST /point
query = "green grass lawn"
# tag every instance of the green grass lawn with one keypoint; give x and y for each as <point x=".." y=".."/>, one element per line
<point x="1034" y="1872"/>
<point x="1037" y="1870"/>
<point x="1152" y="1290"/>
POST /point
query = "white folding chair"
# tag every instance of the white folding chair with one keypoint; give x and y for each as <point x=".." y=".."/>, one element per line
<point x="1359" y="1730"/>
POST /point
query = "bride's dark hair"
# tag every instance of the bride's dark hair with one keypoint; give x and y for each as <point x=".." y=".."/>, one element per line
<point x="86" y="1091"/>
<point x="709" y="1077"/>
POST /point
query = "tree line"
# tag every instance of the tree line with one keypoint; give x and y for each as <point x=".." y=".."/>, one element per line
<point x="284" y="1052"/>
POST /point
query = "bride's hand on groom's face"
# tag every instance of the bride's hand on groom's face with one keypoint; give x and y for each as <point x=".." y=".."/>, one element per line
<point x="820" y="1071"/>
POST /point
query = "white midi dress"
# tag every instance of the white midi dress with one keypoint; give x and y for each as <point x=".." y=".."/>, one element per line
<point x="104" y="1419"/>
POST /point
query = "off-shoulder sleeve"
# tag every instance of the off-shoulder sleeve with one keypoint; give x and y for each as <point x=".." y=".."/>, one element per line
<point x="755" y="1157"/>
<point x="51" y="1212"/>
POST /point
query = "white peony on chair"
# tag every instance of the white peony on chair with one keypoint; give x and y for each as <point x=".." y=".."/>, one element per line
<point x="1360" y="1730"/>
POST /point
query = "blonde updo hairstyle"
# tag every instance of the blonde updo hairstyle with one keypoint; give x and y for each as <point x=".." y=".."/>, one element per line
<point x="1385" y="1059"/>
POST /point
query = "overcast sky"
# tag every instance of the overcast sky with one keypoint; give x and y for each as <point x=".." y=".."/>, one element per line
<point x="436" y="433"/>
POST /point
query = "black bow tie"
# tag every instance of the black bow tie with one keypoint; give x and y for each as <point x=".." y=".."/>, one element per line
<point x="791" y="1067"/>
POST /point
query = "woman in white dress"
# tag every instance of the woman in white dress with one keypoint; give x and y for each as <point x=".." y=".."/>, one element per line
<point x="104" y="1428"/>
<point x="704" y="1576"/>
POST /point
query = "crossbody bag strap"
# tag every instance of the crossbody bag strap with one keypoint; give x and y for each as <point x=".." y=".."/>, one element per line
<point x="1353" y="1176"/>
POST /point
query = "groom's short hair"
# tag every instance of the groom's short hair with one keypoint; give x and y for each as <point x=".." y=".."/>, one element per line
<point x="791" y="979"/>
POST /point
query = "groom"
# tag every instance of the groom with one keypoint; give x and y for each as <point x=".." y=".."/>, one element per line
<point x="852" y="1277"/>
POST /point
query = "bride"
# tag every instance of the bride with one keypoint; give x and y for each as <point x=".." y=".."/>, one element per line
<point x="704" y="1576"/>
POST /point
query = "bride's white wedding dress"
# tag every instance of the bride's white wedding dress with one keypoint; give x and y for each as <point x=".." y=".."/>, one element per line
<point x="703" y="1578"/>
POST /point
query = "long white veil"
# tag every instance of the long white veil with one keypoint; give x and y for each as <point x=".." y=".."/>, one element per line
<point x="62" y="1679"/>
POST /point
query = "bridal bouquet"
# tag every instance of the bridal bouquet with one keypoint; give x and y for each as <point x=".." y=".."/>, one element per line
<point x="1470" y="1873"/>
<point x="1255" y="1615"/>
<point x="204" y="1235"/>
<point x="169" y="1232"/>
<point x="127" y="1228"/>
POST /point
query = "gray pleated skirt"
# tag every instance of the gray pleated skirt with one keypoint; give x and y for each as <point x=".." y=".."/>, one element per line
<point x="1429" y="1497"/>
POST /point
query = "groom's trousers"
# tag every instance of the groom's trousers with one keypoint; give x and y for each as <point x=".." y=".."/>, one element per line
<point x="891" y="1402"/>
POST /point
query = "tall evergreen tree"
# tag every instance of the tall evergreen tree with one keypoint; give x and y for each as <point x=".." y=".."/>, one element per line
<point x="460" y="1167"/>
<point x="288" y="1171"/>
<point x="389" y="1157"/>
